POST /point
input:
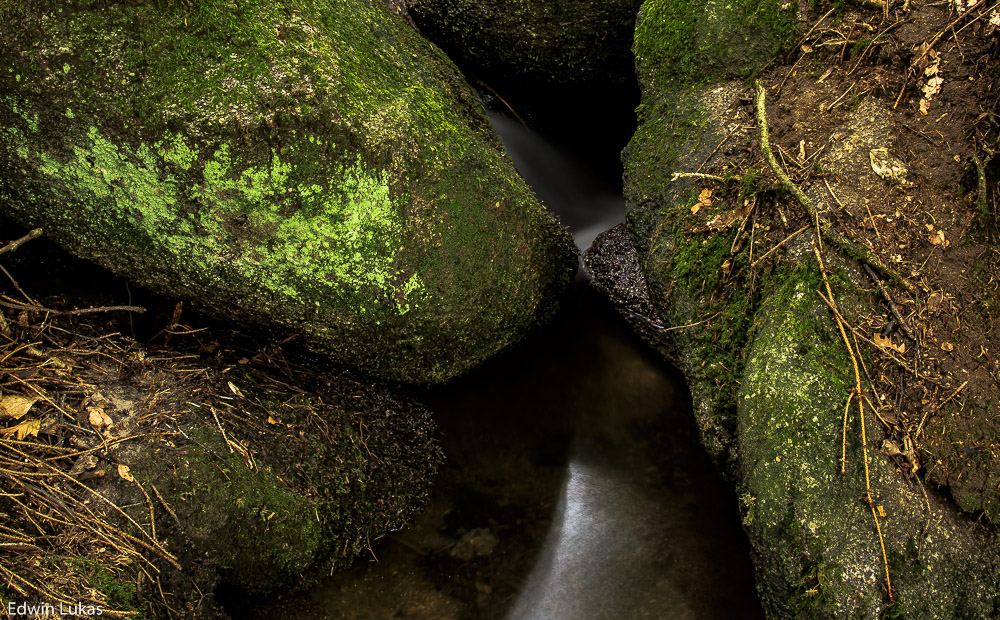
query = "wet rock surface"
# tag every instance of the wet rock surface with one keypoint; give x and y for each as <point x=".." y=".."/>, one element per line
<point x="614" y="268"/>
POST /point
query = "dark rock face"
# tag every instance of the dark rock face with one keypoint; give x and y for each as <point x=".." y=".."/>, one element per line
<point x="318" y="169"/>
<point x="559" y="41"/>
<point x="614" y="267"/>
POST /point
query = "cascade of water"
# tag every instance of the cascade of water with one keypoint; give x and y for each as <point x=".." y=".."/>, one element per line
<point x="581" y="202"/>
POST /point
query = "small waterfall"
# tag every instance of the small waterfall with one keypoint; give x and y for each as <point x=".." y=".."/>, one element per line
<point x="585" y="206"/>
<point x="573" y="485"/>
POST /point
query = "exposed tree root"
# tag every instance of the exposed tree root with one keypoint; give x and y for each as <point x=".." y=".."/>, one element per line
<point x="826" y="229"/>
<point x="861" y="414"/>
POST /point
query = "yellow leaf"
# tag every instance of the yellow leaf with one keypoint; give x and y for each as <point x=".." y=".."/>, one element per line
<point x="881" y="511"/>
<point x="14" y="406"/>
<point x="888" y="344"/>
<point x="937" y="238"/>
<point x="947" y="346"/>
<point x="704" y="200"/>
<point x="24" y="429"/>
<point x="271" y="420"/>
<point x="124" y="472"/>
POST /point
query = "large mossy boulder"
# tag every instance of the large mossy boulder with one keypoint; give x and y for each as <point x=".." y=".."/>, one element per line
<point x="271" y="488"/>
<point x="816" y="546"/>
<point x="316" y="167"/>
<point x="768" y="372"/>
<point x="541" y="42"/>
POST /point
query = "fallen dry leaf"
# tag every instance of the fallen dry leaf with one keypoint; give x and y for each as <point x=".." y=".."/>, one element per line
<point x="124" y="472"/>
<point x="24" y="429"/>
<point x="947" y="346"/>
<point x="937" y="238"/>
<point x="235" y="390"/>
<point x="704" y="200"/>
<point x="888" y="344"/>
<point x="14" y="406"/>
<point x="934" y="302"/>
<point x="99" y="419"/>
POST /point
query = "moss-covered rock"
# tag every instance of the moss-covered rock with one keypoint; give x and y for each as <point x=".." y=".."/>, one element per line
<point x="768" y="373"/>
<point x="816" y="544"/>
<point x="681" y="46"/>
<point x="317" y="167"/>
<point x="262" y="488"/>
<point x="554" y="41"/>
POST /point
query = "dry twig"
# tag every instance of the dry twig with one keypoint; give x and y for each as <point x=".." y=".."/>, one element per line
<point x="13" y="245"/>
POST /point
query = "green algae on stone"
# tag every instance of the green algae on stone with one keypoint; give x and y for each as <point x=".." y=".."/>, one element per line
<point x="679" y="42"/>
<point x="223" y="504"/>
<point x="680" y="48"/>
<point x="316" y="167"/>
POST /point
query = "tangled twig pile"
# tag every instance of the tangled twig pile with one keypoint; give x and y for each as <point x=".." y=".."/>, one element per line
<point x="61" y="541"/>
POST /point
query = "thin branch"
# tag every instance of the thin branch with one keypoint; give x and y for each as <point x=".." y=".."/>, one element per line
<point x="696" y="175"/>
<point x="31" y="308"/>
<point x="861" y="414"/>
<point x="920" y="428"/>
<point x="775" y="248"/>
<point x="13" y="245"/>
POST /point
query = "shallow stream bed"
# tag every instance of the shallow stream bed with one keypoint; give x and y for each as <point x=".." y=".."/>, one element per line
<point x="574" y="485"/>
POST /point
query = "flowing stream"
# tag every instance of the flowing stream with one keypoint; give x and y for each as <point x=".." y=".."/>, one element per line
<point x="574" y="485"/>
